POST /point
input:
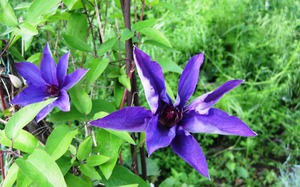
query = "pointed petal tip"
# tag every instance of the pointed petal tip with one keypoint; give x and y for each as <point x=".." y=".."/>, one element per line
<point x="252" y="134"/>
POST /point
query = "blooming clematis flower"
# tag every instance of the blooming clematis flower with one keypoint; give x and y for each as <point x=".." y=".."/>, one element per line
<point x="50" y="80"/>
<point x="171" y="123"/>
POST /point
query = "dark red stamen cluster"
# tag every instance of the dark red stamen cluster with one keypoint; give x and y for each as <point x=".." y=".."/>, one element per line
<point x="53" y="90"/>
<point x="169" y="116"/>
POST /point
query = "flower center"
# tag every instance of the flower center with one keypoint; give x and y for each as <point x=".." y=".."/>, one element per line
<point x="53" y="90"/>
<point x="169" y="116"/>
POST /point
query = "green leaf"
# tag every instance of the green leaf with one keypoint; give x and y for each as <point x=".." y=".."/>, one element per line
<point x="39" y="8"/>
<point x="73" y="4"/>
<point x="23" y="180"/>
<point x="41" y="169"/>
<point x="77" y="43"/>
<point x="123" y="135"/>
<point x="21" y="118"/>
<point x="118" y="93"/>
<point x="108" y="145"/>
<point x="80" y="99"/>
<point x="242" y="172"/>
<point x="102" y="105"/>
<point x="90" y="171"/>
<point x="77" y="26"/>
<point x="156" y="35"/>
<point x="151" y="2"/>
<point x="96" y="68"/>
<point x="25" y="141"/>
<point x="11" y="176"/>
<point x="96" y="160"/>
<point x="7" y="15"/>
<point x="169" y="66"/>
<point x="159" y="44"/>
<point x="126" y="34"/>
<point x="152" y="167"/>
<point x="106" y="46"/>
<point x="59" y="141"/>
<point x="72" y="115"/>
<point x="169" y="90"/>
<point x="64" y="164"/>
<point x="74" y="181"/>
<point x="27" y="29"/>
<point x="125" y="81"/>
<point x="143" y="24"/>
<point x="123" y="176"/>
<point x="35" y="58"/>
<point x="85" y="148"/>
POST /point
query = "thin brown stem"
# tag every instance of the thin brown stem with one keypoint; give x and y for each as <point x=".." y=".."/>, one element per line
<point x="2" y="165"/>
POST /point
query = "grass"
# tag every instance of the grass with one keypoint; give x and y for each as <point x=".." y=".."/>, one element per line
<point x="242" y="40"/>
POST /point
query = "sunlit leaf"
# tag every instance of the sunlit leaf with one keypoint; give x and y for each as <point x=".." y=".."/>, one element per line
<point x="85" y="148"/>
<point x="169" y="65"/>
<point x="90" y="171"/>
<point x="126" y="34"/>
<point x="156" y="35"/>
<point x="123" y="176"/>
<point x="23" y="180"/>
<point x="73" y="4"/>
<point x="80" y="99"/>
<point x="96" y="160"/>
<point x="41" y="169"/>
<point x="122" y="134"/>
<point x="77" y="26"/>
<point x="7" y="15"/>
<point x="23" y="117"/>
<point x="24" y="141"/>
<point x="77" y="43"/>
<point x="59" y="141"/>
<point x="39" y="8"/>
<point x="11" y="176"/>
<point x="143" y="24"/>
<point x="106" y="46"/>
<point x="96" y="67"/>
<point x="125" y="81"/>
<point x="108" y="145"/>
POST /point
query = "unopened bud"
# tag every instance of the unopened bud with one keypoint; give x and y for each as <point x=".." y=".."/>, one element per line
<point x="15" y="81"/>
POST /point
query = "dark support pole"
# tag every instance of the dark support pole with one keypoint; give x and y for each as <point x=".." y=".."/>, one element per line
<point x="132" y="96"/>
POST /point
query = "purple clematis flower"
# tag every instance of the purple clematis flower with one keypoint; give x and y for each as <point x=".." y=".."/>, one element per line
<point x="50" y="80"/>
<point x="170" y="123"/>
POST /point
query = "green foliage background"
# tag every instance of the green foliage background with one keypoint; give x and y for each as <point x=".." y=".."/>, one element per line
<point x="257" y="41"/>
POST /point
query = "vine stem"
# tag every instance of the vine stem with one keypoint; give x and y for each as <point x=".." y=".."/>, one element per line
<point x="99" y="22"/>
<point x="2" y="165"/>
<point x="131" y="97"/>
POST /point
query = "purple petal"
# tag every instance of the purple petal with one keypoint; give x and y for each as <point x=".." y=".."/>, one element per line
<point x="62" y="68"/>
<point x="73" y="78"/>
<point x="209" y="99"/>
<point x="29" y="95"/>
<point x="132" y="119"/>
<point x="31" y="73"/>
<point x="63" y="101"/>
<point x="188" y="80"/>
<point x="158" y="136"/>
<point x="48" y="67"/>
<point x="216" y="122"/>
<point x="185" y="145"/>
<point x="152" y="79"/>
<point x="44" y="112"/>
